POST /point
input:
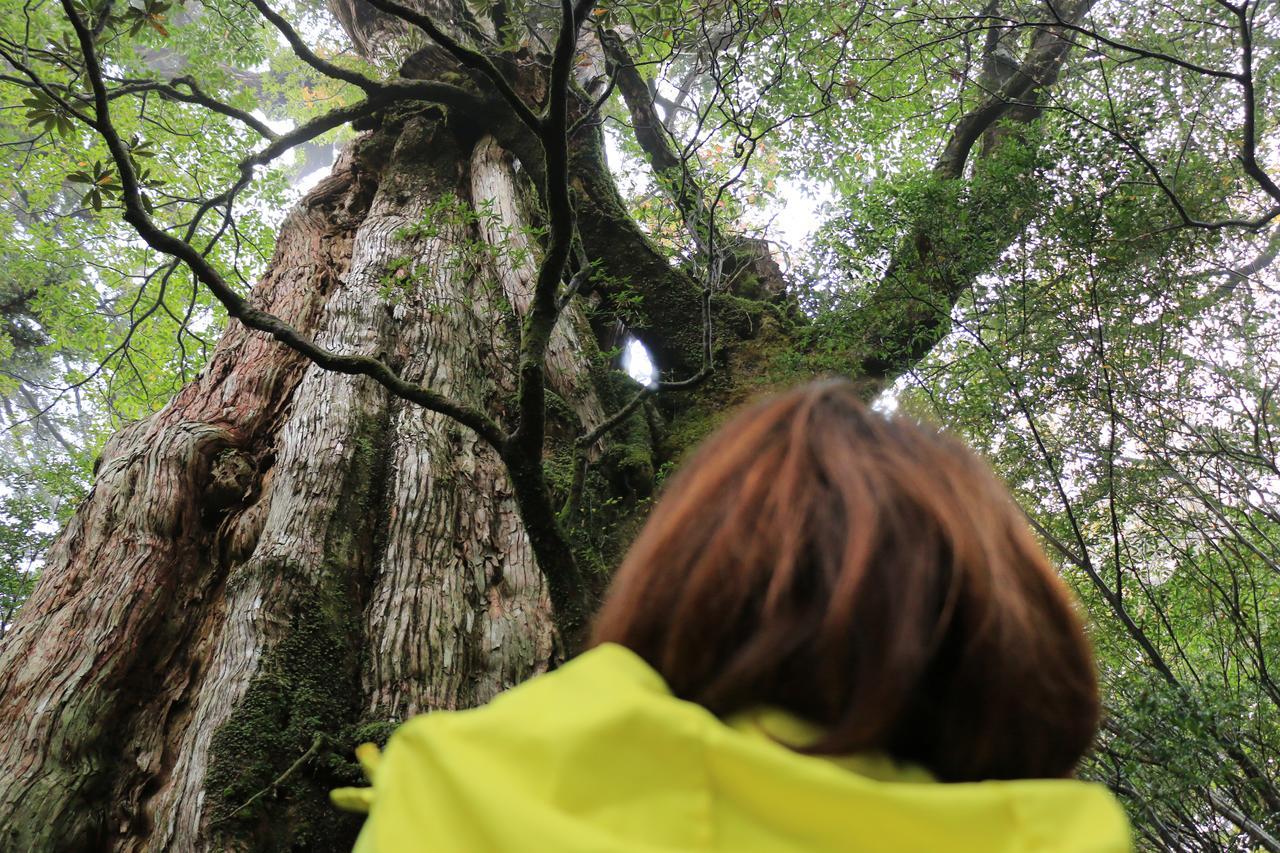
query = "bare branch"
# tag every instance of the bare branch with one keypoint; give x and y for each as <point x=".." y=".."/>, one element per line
<point x="307" y="55"/>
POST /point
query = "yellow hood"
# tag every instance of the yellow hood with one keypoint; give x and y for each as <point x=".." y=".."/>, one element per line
<point x="599" y="756"/>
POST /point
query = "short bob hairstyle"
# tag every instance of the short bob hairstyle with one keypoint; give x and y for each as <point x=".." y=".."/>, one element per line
<point x="867" y="574"/>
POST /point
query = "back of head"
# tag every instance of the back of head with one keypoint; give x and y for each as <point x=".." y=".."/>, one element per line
<point x="869" y="575"/>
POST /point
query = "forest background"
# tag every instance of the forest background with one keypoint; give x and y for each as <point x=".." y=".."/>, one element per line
<point x="344" y="347"/>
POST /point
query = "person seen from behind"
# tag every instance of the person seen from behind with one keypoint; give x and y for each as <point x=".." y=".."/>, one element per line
<point x="834" y="633"/>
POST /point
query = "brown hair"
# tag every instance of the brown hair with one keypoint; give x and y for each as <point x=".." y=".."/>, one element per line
<point x="868" y="574"/>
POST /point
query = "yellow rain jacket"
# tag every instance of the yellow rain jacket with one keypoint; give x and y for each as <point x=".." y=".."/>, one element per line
<point x="599" y="756"/>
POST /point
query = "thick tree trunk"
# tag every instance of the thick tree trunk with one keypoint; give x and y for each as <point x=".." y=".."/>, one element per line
<point x="285" y="561"/>
<point x="284" y="555"/>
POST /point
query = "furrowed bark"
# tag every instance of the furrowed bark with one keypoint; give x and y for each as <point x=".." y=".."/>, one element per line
<point x="475" y="539"/>
<point x="285" y="553"/>
<point x="109" y="650"/>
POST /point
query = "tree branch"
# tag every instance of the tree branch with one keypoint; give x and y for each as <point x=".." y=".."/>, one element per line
<point x="312" y="750"/>
<point x="466" y="56"/>
<point x="307" y="55"/>
<point x="920" y="291"/>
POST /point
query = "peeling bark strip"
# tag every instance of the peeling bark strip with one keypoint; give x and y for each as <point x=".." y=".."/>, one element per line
<point x="457" y="570"/>
<point x="458" y="564"/>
